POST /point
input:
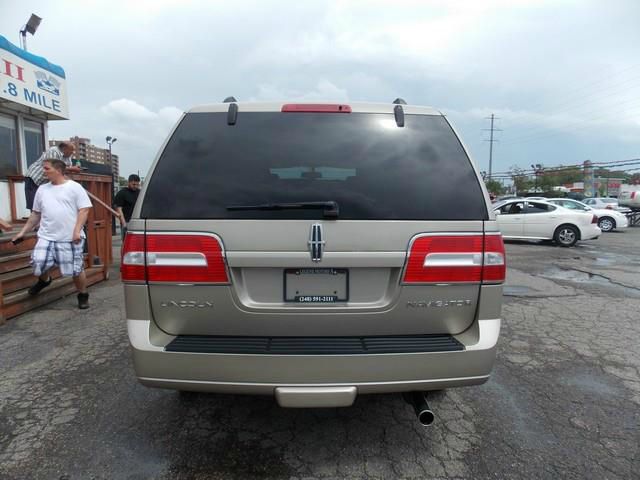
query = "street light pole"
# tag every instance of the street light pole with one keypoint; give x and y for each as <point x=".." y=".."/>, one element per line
<point x="111" y="140"/>
<point x="30" y="27"/>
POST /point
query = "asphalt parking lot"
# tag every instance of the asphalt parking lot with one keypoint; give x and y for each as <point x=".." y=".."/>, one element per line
<point x="563" y="402"/>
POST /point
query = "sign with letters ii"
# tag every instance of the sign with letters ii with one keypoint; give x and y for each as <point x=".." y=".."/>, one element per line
<point x="32" y="81"/>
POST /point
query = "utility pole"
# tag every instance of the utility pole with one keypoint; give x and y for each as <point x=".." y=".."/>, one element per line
<point x="491" y="141"/>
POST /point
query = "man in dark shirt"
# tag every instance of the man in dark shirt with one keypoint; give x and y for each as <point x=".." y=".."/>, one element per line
<point x="125" y="201"/>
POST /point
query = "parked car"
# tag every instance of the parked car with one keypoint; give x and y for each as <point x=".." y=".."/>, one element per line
<point x="576" y="196"/>
<point x="608" y="219"/>
<point x="506" y="197"/>
<point x="540" y="220"/>
<point x="606" y="203"/>
<point x="630" y="198"/>
<point x="311" y="253"/>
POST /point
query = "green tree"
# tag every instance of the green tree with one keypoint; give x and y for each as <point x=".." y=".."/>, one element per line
<point x="520" y="180"/>
<point x="494" y="186"/>
<point x="563" y="175"/>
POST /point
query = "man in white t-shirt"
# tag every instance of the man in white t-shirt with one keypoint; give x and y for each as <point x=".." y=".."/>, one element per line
<point x="61" y="207"/>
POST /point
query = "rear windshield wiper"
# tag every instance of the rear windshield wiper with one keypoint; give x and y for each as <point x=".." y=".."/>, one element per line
<point x="330" y="207"/>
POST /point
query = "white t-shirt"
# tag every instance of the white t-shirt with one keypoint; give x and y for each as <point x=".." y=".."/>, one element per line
<point x="58" y="206"/>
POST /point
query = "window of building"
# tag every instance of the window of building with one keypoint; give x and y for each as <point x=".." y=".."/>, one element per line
<point x="33" y="140"/>
<point x="8" y="146"/>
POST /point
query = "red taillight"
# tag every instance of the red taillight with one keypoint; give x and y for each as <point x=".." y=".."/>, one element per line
<point x="132" y="264"/>
<point x="495" y="263"/>
<point x="609" y="207"/>
<point x="633" y="195"/>
<point x="179" y="258"/>
<point x="594" y="219"/>
<point x="456" y="259"/>
<point x="316" y="108"/>
<point x="185" y="259"/>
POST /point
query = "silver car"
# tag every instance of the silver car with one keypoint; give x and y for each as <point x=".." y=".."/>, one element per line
<point x="313" y="252"/>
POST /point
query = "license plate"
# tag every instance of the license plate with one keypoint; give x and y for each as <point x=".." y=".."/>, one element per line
<point x="316" y="285"/>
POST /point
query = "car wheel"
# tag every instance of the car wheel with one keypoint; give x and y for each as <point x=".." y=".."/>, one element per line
<point x="606" y="224"/>
<point x="566" y="236"/>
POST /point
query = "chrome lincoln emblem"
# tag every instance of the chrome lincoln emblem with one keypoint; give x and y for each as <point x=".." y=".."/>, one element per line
<point x="316" y="242"/>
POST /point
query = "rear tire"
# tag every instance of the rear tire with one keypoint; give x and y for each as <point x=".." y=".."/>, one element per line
<point x="566" y="235"/>
<point x="606" y="224"/>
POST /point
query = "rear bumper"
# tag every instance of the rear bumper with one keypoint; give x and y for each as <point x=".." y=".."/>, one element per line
<point x="590" y="232"/>
<point x="312" y="380"/>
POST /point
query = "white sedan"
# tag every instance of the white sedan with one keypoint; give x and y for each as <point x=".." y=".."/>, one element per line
<point x="540" y="220"/>
<point x="605" y="202"/>
<point x="608" y="220"/>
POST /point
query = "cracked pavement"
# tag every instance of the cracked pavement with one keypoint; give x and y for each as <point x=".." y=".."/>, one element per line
<point x="563" y="401"/>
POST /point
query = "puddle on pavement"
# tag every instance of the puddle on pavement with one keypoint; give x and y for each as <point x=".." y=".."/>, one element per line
<point x="590" y="279"/>
<point x="515" y="290"/>
<point x="604" y="262"/>
<point x="612" y="259"/>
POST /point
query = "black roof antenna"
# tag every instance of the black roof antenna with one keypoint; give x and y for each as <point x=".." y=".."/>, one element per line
<point x="232" y="113"/>
<point x="398" y="111"/>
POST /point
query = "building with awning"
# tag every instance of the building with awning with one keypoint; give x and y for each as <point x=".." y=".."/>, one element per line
<point x="32" y="92"/>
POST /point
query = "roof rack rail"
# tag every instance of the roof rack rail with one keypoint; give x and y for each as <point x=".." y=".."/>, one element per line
<point x="229" y="100"/>
<point x="399" y="101"/>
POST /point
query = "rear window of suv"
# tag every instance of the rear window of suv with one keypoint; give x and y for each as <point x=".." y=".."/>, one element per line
<point x="372" y="168"/>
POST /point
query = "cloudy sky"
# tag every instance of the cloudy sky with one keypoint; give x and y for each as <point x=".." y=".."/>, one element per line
<point x="563" y="77"/>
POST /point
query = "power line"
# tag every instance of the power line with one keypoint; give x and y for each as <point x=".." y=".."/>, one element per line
<point x="560" y="168"/>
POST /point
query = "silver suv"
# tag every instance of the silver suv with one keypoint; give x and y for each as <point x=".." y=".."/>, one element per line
<point x="313" y="252"/>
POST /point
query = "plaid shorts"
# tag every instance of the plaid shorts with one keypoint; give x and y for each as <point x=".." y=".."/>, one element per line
<point x="68" y="256"/>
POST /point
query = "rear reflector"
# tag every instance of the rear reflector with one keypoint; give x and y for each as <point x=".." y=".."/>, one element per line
<point x="173" y="258"/>
<point x="456" y="259"/>
<point x="316" y="108"/>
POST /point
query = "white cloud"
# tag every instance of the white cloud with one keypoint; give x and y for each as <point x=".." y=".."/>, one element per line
<point x="139" y="130"/>
<point x="538" y="64"/>
<point x="125" y="109"/>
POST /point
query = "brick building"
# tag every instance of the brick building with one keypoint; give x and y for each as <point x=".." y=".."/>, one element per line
<point x="88" y="152"/>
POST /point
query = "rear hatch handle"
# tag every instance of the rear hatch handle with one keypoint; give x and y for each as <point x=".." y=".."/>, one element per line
<point x="330" y="208"/>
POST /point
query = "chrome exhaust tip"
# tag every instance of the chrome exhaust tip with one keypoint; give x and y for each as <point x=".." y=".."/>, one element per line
<point x="418" y="401"/>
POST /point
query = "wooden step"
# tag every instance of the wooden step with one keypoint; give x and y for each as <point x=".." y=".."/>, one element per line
<point x="19" y="302"/>
<point x="21" y="279"/>
<point x="8" y="248"/>
<point x="15" y="261"/>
